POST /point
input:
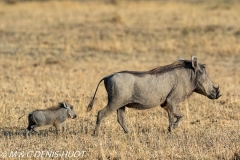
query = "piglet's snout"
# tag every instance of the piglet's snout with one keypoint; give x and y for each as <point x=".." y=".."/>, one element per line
<point x="75" y="116"/>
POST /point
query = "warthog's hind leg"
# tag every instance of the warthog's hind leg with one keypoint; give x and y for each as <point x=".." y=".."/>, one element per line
<point x="121" y="118"/>
<point x="34" y="127"/>
<point x="101" y="115"/>
<point x="27" y="132"/>
<point x="30" y="124"/>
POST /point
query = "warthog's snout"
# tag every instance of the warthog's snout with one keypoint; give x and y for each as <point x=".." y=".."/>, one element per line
<point x="215" y="94"/>
<point x="72" y="116"/>
<point x="75" y="116"/>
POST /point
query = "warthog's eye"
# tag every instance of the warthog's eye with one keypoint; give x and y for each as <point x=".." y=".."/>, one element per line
<point x="202" y="68"/>
<point x="71" y="107"/>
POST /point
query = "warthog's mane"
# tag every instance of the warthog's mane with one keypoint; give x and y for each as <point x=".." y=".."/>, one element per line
<point x="51" y="108"/>
<point x="163" y="69"/>
<point x="166" y="68"/>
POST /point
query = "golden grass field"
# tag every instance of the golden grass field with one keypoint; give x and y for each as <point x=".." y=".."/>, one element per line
<point x="55" y="51"/>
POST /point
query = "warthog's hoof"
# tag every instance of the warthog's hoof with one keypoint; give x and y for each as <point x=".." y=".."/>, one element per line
<point x="169" y="129"/>
<point x="26" y="136"/>
<point x="175" y="125"/>
<point x="126" y="131"/>
<point x="94" y="135"/>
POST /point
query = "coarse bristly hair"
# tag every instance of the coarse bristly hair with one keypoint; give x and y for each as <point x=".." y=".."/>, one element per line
<point x="163" y="69"/>
<point x="58" y="106"/>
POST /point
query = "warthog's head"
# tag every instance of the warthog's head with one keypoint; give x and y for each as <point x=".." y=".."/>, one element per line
<point x="70" y="111"/>
<point x="204" y="85"/>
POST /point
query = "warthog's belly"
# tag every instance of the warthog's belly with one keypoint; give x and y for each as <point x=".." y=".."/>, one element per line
<point x="139" y="106"/>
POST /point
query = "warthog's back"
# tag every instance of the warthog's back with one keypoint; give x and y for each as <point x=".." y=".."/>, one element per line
<point x="48" y="117"/>
<point x="147" y="90"/>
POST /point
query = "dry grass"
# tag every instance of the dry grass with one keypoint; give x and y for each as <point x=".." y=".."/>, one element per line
<point x="54" y="51"/>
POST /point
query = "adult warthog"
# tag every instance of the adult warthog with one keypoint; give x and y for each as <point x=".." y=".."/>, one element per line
<point x="55" y="116"/>
<point x="166" y="86"/>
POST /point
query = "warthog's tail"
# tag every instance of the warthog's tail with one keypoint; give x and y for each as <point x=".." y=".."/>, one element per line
<point x="89" y="108"/>
<point x="22" y="116"/>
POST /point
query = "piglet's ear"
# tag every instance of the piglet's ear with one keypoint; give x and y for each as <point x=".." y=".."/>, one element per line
<point x="180" y="59"/>
<point x="62" y="104"/>
<point x="194" y="62"/>
<point x="65" y="105"/>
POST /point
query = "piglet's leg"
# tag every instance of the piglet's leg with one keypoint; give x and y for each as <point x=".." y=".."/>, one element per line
<point x="58" y="127"/>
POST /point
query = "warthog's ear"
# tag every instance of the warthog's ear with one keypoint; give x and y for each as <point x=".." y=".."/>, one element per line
<point x="60" y="104"/>
<point x="194" y="62"/>
<point x="180" y="59"/>
<point x="63" y="105"/>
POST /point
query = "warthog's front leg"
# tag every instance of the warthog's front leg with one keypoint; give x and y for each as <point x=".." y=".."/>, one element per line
<point x="171" y="120"/>
<point x="178" y="115"/>
<point x="63" y="127"/>
<point x="177" y="122"/>
<point x="121" y="118"/>
<point x="58" y="127"/>
<point x="173" y="112"/>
